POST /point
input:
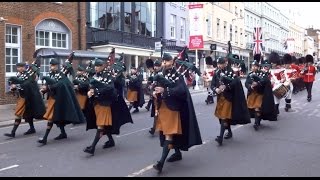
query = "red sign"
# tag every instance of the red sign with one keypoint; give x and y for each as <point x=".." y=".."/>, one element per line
<point x="196" y="42"/>
<point x="194" y="6"/>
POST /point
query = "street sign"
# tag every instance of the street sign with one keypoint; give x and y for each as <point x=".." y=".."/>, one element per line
<point x="157" y="46"/>
<point x="196" y="42"/>
<point x="213" y="47"/>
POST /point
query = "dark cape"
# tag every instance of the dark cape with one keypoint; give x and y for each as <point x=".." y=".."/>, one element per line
<point x="268" y="111"/>
<point x="119" y="110"/>
<point x="191" y="135"/>
<point x="35" y="107"/>
<point x="240" y="111"/>
<point x="234" y="94"/>
<point x="66" y="108"/>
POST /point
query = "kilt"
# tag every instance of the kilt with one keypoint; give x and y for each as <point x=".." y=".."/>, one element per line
<point x="103" y="115"/>
<point x="169" y="122"/>
<point x="50" y="109"/>
<point x="132" y="96"/>
<point x="223" y="108"/>
<point x="254" y="100"/>
<point x="82" y="99"/>
<point x="20" y="107"/>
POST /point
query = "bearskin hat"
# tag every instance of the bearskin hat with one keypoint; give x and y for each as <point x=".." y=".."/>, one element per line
<point x="209" y="60"/>
<point x="274" y="58"/>
<point x="294" y="60"/>
<point x="302" y="60"/>
<point x="309" y="58"/>
<point x="149" y="63"/>
<point x="257" y="57"/>
<point x="287" y="59"/>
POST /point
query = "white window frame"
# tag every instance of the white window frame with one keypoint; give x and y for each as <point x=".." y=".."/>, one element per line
<point x="51" y="40"/>
<point x="173" y="22"/>
<point x="17" y="45"/>
<point x="182" y="29"/>
<point x="236" y="34"/>
<point x="218" y="28"/>
<point x="209" y="25"/>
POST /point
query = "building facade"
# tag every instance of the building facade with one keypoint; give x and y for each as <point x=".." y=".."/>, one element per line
<point x="274" y="25"/>
<point x="315" y="34"/>
<point x="176" y="24"/>
<point x="131" y="28"/>
<point x="296" y="36"/>
<point x="26" y="27"/>
<point x="308" y="45"/>
<point x="223" y="22"/>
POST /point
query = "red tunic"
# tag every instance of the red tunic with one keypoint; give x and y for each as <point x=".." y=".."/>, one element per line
<point x="309" y="76"/>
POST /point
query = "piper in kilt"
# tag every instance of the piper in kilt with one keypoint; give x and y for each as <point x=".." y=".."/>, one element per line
<point x="62" y="105"/>
<point x="231" y="106"/>
<point x="29" y="104"/>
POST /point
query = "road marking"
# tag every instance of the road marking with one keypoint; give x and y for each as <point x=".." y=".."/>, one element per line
<point x="190" y="149"/>
<point x="17" y="140"/>
<point x="132" y="132"/>
<point x="9" y="167"/>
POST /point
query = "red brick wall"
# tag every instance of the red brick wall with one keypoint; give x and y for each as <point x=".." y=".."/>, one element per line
<point x="28" y="15"/>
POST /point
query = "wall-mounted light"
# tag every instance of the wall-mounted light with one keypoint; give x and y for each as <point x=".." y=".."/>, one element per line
<point x="3" y="19"/>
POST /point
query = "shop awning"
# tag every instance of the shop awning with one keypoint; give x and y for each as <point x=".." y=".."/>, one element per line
<point x="54" y="53"/>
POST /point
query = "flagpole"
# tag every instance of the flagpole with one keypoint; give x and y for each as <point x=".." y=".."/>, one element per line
<point x="197" y="77"/>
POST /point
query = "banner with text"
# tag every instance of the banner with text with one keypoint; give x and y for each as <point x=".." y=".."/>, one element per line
<point x="196" y="24"/>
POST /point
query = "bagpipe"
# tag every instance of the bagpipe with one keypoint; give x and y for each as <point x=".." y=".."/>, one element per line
<point x="169" y="80"/>
<point x="67" y="67"/>
<point x="33" y="69"/>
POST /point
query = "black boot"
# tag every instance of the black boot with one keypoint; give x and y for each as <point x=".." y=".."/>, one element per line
<point x="257" y="120"/>
<point x="277" y="108"/>
<point x="165" y="151"/>
<point x="109" y="143"/>
<point x="62" y="135"/>
<point x="31" y="130"/>
<point x="149" y="104"/>
<point x="14" y="129"/>
<point x="130" y="107"/>
<point x="44" y="139"/>
<point x="91" y="149"/>
<point x="288" y="105"/>
<point x="219" y="139"/>
<point x="136" y="110"/>
<point x="177" y="156"/>
<point x="229" y="134"/>
<point x="153" y="129"/>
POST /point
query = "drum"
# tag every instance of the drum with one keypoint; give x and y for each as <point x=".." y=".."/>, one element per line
<point x="280" y="91"/>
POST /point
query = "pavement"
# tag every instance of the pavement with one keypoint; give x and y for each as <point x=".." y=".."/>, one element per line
<point x="7" y="111"/>
<point x="287" y="147"/>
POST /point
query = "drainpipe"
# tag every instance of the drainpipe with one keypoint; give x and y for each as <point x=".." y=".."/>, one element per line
<point x="79" y="27"/>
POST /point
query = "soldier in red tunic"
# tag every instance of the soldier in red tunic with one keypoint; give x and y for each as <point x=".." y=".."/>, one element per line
<point x="309" y="73"/>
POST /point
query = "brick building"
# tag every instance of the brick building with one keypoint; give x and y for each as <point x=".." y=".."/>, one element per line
<point x="26" y="27"/>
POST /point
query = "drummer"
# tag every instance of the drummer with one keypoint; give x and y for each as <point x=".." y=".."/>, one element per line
<point x="274" y="70"/>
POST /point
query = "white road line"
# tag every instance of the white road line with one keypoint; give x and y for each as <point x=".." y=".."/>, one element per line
<point x="132" y="132"/>
<point x="192" y="148"/>
<point x="24" y="124"/>
<point x="9" y="167"/>
<point x="17" y="139"/>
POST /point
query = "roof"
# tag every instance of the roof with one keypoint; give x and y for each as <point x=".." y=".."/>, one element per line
<point x="50" y="52"/>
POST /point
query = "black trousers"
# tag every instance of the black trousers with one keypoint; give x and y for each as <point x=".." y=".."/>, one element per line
<point x="309" y="88"/>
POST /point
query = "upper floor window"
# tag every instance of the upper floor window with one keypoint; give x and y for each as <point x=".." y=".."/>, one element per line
<point x="12" y="49"/>
<point x="173" y="19"/>
<point x="182" y="29"/>
<point x="209" y="25"/>
<point x="218" y="28"/>
<point x="241" y="15"/>
<point x="236" y="10"/>
<point x="51" y="33"/>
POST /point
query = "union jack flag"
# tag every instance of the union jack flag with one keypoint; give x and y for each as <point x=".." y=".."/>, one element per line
<point x="257" y="40"/>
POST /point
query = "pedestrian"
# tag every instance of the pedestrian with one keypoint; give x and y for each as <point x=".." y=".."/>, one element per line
<point x="110" y="109"/>
<point x="62" y="105"/>
<point x="177" y="121"/>
<point x="155" y="70"/>
<point x="259" y="97"/>
<point x="231" y="106"/>
<point x="135" y="93"/>
<point x="309" y="73"/>
<point x="29" y="103"/>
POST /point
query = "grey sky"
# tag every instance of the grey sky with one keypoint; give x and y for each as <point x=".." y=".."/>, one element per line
<point x="309" y="12"/>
